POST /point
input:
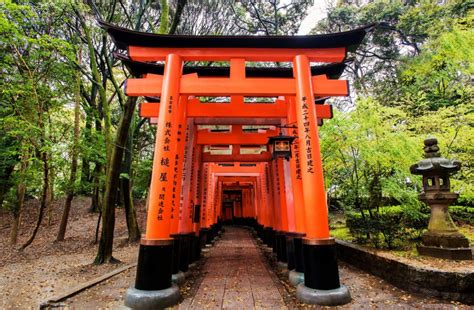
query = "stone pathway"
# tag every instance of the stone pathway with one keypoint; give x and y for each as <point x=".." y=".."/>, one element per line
<point x="235" y="276"/>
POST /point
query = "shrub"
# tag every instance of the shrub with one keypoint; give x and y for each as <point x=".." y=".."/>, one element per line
<point x="462" y="214"/>
<point x="389" y="226"/>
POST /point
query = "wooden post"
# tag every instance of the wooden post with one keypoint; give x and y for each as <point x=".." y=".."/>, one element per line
<point x="159" y="210"/>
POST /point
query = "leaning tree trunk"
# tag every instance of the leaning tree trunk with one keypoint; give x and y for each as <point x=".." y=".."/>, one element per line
<point x="49" y="196"/>
<point x="104" y="254"/>
<point x="17" y="214"/>
<point x="44" y="197"/>
<point x="126" y="190"/>
<point x="72" y="177"/>
<point x="21" y="190"/>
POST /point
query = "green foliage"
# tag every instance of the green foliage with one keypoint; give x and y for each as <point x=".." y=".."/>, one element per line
<point x="35" y="79"/>
<point x="461" y="214"/>
<point x="387" y="226"/>
<point x="366" y="156"/>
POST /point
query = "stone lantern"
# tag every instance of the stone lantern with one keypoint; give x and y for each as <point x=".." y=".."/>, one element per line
<point x="442" y="239"/>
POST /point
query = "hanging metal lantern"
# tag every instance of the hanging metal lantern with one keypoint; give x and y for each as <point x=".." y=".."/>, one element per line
<point x="280" y="146"/>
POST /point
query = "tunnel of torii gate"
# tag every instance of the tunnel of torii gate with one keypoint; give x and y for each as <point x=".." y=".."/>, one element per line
<point x="206" y="175"/>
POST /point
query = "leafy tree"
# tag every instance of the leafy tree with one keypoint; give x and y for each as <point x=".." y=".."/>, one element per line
<point x="34" y="82"/>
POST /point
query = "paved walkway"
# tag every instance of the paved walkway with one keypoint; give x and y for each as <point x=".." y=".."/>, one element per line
<point x="235" y="276"/>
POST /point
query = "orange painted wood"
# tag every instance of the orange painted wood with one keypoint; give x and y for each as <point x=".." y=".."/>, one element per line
<point x="232" y="110"/>
<point x="241" y="180"/>
<point x="139" y="53"/>
<point x="283" y="206"/>
<point x="159" y="209"/>
<point x="324" y="87"/>
<point x="314" y="195"/>
<point x="235" y="169"/>
<point x="191" y="84"/>
<point x="179" y="131"/>
<point x="295" y="170"/>
<point x="247" y="158"/>
<point x="235" y="136"/>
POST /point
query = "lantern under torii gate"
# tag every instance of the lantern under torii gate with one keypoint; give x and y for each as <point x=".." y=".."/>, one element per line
<point x="182" y="176"/>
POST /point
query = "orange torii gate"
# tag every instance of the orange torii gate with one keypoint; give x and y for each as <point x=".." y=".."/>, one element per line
<point x="185" y="198"/>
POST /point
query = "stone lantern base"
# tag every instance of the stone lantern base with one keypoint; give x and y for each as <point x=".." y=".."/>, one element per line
<point x="448" y="245"/>
<point x="446" y="253"/>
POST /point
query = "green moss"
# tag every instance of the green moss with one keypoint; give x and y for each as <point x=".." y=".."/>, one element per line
<point x="342" y="233"/>
<point x="468" y="231"/>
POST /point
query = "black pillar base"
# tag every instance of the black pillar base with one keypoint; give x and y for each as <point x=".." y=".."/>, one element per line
<point x="176" y="252"/>
<point x="196" y="248"/>
<point x="269" y="234"/>
<point x="281" y="247"/>
<point x="184" y="252"/>
<point x="298" y="249"/>
<point x="290" y="250"/>
<point x="276" y="236"/>
<point x="155" y="265"/>
<point x="211" y="234"/>
<point x="259" y="231"/>
<point x="320" y="264"/>
<point x="203" y="236"/>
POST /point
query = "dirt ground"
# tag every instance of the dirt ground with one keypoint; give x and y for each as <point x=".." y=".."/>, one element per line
<point x="46" y="268"/>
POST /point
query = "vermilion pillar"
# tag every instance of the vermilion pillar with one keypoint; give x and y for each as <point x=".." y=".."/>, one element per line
<point x="179" y="132"/>
<point x="154" y="266"/>
<point x="187" y="190"/>
<point x="295" y="245"/>
<point x="319" y="251"/>
<point x="272" y="227"/>
<point x="182" y="242"/>
<point x="196" y="180"/>
<point x="281" y="237"/>
<point x="195" y="203"/>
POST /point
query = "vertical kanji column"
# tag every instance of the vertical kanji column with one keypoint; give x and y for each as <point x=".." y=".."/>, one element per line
<point x="195" y="203"/>
<point x="276" y="210"/>
<point x="187" y="190"/>
<point x="181" y="244"/>
<point x="319" y="249"/>
<point x="281" y="242"/>
<point x="270" y="230"/>
<point x="296" y="276"/>
<point x="205" y="184"/>
<point x="155" y="260"/>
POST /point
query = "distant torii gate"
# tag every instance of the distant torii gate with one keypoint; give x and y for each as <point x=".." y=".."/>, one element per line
<point x="285" y="200"/>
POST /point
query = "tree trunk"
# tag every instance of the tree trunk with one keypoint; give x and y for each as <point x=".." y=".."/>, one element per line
<point x="85" y="166"/>
<point x="17" y="214"/>
<point x="21" y="190"/>
<point x="44" y="158"/>
<point x="104" y="254"/>
<point x="72" y="177"/>
<point x="15" y="228"/>
<point x="126" y="190"/>
<point x="49" y="196"/>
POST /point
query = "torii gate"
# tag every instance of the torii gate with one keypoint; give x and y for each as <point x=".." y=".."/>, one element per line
<point x="186" y="185"/>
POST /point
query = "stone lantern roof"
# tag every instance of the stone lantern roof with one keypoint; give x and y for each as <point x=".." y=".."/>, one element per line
<point x="434" y="164"/>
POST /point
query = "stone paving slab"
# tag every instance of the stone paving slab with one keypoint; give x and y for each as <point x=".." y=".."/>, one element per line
<point x="235" y="276"/>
